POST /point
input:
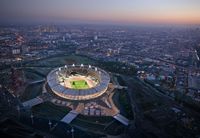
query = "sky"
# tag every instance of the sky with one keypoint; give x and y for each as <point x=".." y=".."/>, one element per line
<point x="120" y="11"/>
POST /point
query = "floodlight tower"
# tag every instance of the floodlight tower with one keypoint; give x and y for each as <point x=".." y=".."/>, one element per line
<point x="59" y="73"/>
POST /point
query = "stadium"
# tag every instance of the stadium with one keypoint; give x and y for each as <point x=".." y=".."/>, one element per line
<point x="78" y="82"/>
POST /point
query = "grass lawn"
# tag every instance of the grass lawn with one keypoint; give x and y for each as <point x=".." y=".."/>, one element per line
<point x="61" y="61"/>
<point x="50" y="111"/>
<point x="79" y="84"/>
<point x="31" y="92"/>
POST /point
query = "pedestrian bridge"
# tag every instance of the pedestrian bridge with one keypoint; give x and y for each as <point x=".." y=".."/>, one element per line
<point x="121" y="119"/>
<point x="38" y="81"/>
<point x="33" y="102"/>
<point x="70" y="117"/>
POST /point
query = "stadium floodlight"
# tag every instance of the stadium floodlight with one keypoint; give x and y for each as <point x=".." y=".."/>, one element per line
<point x="73" y="65"/>
<point x="89" y="66"/>
<point x="81" y="65"/>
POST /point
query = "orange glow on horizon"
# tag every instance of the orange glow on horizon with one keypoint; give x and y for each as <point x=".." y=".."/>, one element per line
<point x="169" y="18"/>
<point x="158" y="18"/>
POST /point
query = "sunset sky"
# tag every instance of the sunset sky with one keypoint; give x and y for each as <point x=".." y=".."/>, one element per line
<point x="120" y="11"/>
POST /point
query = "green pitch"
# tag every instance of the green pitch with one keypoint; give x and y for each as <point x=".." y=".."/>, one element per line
<point x="79" y="84"/>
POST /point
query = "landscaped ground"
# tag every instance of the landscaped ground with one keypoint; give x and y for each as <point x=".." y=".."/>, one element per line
<point x="60" y="61"/>
<point x="31" y="92"/>
<point x="50" y="111"/>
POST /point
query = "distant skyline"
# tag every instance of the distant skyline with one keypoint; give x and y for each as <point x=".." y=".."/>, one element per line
<point x="114" y="11"/>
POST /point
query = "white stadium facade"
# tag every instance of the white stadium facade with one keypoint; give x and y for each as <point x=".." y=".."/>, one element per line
<point x="96" y="78"/>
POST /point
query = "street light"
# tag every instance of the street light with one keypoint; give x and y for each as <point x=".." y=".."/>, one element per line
<point x="32" y="118"/>
<point x="72" y="130"/>
<point x="9" y="102"/>
<point x="54" y="126"/>
<point x="18" y="111"/>
<point x="50" y="125"/>
<point x="4" y="97"/>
